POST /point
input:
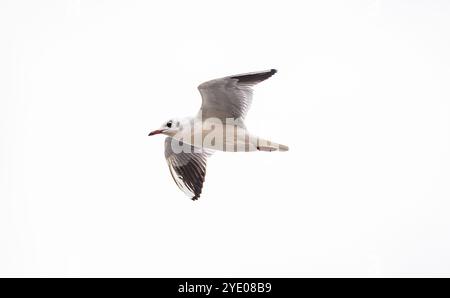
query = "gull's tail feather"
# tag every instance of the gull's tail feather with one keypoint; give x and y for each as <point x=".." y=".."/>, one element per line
<point x="283" y="148"/>
<point x="269" y="146"/>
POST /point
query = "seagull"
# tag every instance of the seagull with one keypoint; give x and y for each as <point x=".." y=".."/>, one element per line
<point x="218" y="126"/>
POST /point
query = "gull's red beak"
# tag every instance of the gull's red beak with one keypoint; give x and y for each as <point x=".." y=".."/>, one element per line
<point x="156" y="132"/>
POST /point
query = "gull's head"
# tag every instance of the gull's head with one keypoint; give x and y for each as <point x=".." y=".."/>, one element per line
<point x="170" y="128"/>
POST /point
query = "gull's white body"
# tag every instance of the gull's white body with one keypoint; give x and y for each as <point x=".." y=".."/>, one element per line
<point x="215" y="135"/>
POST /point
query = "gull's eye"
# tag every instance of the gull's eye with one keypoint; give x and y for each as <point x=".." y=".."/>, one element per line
<point x="169" y="124"/>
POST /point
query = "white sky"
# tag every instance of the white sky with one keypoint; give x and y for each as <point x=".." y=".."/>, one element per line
<point x="362" y="98"/>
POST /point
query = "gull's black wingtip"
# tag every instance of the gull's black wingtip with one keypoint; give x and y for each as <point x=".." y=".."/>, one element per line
<point x="255" y="77"/>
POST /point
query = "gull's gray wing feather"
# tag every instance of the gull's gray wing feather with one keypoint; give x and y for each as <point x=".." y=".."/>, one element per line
<point x="187" y="165"/>
<point x="230" y="97"/>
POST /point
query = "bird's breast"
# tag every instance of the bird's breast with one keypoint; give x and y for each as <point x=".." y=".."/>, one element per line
<point x="217" y="136"/>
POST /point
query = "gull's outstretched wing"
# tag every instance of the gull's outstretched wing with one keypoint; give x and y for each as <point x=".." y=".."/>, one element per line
<point x="187" y="165"/>
<point x="230" y="97"/>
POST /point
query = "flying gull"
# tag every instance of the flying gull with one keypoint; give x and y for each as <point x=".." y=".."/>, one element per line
<point x="218" y="126"/>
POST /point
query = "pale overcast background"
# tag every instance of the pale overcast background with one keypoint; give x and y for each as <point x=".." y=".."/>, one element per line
<point x="362" y="98"/>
